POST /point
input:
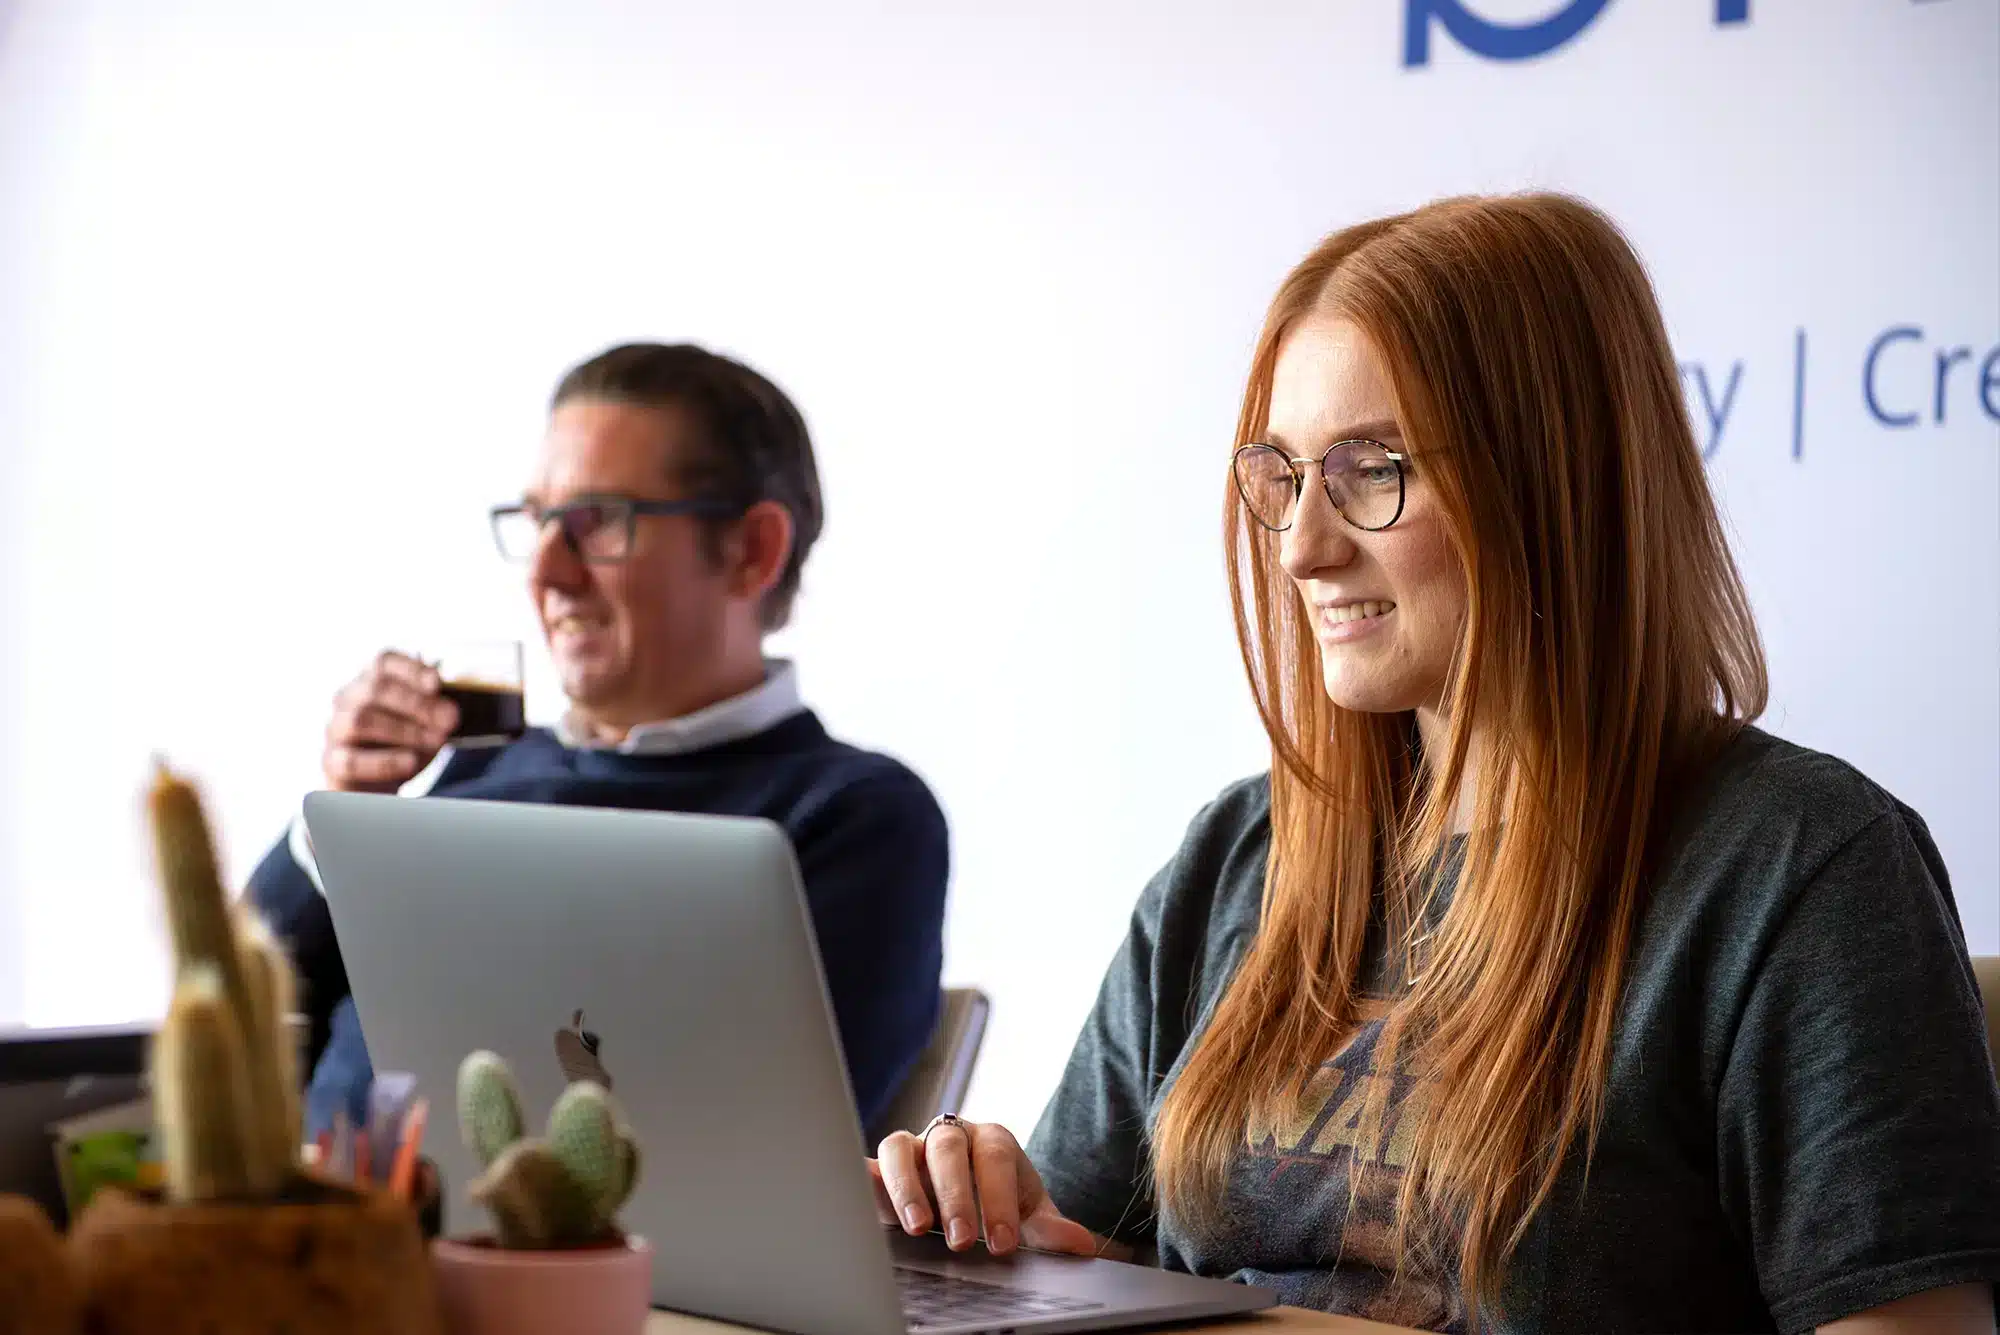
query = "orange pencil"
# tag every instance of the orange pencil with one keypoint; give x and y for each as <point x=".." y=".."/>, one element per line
<point x="363" y="1173"/>
<point x="403" y="1175"/>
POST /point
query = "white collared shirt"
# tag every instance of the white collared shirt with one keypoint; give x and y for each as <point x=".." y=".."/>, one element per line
<point x="763" y="706"/>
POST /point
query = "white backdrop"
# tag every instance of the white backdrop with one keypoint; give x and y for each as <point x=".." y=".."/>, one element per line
<point x="283" y="289"/>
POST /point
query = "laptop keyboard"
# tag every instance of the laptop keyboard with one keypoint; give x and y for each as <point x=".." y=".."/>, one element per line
<point x="931" y="1301"/>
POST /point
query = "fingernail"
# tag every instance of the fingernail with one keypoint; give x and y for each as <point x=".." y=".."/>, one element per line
<point x="957" y="1233"/>
<point x="913" y="1218"/>
<point x="999" y="1238"/>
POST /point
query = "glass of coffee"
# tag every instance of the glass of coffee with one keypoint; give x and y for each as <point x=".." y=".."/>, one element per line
<point x="484" y="680"/>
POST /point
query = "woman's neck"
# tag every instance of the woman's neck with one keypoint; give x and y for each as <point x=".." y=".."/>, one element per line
<point x="1435" y="732"/>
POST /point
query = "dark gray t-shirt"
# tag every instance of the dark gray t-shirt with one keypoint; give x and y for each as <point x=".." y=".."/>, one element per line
<point x="1801" y="1119"/>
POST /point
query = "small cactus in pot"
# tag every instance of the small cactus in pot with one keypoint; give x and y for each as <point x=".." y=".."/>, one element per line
<point x="557" y="1262"/>
<point x="562" y="1189"/>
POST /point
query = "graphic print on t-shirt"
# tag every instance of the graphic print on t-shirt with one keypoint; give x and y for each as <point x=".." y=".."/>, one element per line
<point x="1301" y="1164"/>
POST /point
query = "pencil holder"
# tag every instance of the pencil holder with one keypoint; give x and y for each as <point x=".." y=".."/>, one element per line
<point x="428" y="1199"/>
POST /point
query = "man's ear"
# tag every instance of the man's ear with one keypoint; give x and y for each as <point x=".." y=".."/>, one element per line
<point x="760" y="547"/>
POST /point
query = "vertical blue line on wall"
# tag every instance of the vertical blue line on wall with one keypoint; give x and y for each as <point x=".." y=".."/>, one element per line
<point x="1799" y="394"/>
<point x="1732" y="11"/>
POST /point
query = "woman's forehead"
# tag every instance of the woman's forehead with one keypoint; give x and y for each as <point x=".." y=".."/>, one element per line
<point x="1329" y="384"/>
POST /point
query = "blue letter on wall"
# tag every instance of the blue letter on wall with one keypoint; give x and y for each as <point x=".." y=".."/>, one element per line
<point x="1898" y="334"/>
<point x="1495" y="41"/>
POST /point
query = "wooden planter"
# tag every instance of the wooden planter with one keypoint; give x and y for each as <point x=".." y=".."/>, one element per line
<point x="326" y="1259"/>
<point x="37" y="1285"/>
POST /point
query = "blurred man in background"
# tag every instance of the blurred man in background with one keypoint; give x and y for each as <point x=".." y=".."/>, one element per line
<point x="664" y="534"/>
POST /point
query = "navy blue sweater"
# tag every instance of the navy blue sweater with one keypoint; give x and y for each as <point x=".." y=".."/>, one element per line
<point x="872" y="851"/>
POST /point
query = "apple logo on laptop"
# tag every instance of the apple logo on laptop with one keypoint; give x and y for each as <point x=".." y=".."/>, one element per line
<point x="576" y="1053"/>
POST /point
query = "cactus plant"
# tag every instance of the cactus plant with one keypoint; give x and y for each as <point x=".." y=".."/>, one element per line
<point x="563" y="1189"/>
<point x="245" y="1239"/>
<point x="489" y="1109"/>
<point x="225" y="1070"/>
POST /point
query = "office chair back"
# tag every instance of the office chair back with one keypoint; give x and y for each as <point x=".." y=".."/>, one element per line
<point x="1987" y="969"/>
<point x="938" y="1082"/>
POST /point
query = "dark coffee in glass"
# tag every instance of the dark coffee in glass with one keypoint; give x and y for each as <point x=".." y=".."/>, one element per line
<point x="483" y="678"/>
<point x="486" y="709"/>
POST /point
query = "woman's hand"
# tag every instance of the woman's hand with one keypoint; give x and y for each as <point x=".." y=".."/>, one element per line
<point x="973" y="1178"/>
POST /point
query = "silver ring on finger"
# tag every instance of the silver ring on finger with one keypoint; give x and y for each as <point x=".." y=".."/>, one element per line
<point x="943" y="1119"/>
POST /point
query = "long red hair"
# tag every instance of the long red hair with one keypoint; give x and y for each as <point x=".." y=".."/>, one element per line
<point x="1608" y="652"/>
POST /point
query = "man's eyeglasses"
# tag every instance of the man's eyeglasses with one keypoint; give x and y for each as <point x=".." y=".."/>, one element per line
<point x="597" y="528"/>
<point x="1363" y="479"/>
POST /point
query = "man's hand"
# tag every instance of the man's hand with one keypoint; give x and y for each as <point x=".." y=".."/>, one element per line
<point x="388" y="723"/>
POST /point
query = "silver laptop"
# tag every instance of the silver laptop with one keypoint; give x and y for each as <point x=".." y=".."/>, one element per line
<point x="677" y="953"/>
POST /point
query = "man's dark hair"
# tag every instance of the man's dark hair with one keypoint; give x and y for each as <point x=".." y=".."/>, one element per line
<point x="755" y="446"/>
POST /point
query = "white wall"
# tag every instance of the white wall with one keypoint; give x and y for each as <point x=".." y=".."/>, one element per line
<point x="19" y="109"/>
<point x="282" y="290"/>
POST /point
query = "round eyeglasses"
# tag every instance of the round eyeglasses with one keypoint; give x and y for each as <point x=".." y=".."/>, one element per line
<point x="1363" y="479"/>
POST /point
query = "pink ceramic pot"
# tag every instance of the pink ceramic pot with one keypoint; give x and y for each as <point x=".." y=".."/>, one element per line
<point x="485" y="1290"/>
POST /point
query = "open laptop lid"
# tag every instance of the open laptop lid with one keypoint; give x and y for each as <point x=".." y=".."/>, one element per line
<point x="685" y="942"/>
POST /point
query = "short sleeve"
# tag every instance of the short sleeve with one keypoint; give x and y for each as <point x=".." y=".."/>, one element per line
<point x="1858" y="1117"/>
<point x="1090" y="1143"/>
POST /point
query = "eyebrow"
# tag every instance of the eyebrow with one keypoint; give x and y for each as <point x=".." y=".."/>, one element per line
<point x="534" y="496"/>
<point x="1382" y="429"/>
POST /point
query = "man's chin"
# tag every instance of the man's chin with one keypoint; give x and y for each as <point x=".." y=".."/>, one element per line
<point x="588" y="686"/>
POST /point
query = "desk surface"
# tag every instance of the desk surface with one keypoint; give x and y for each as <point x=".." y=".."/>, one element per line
<point x="1279" y="1322"/>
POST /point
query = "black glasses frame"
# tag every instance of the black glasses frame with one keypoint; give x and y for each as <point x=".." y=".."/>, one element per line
<point x="1298" y="481"/>
<point x="629" y="507"/>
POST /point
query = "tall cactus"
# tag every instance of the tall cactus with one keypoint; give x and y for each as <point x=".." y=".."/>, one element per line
<point x="203" y="1105"/>
<point x="225" y="1071"/>
<point x="273" y="995"/>
<point x="560" y="1190"/>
